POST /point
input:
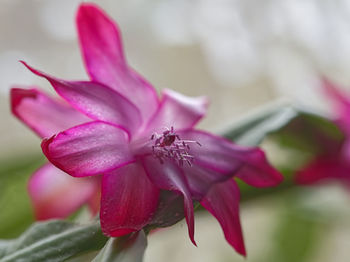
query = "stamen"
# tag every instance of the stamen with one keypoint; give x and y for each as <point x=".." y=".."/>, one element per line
<point x="170" y="145"/>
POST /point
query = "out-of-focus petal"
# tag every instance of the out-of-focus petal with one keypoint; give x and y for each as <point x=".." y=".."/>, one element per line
<point x="322" y="169"/>
<point x="341" y="103"/>
<point x="55" y="194"/>
<point x="169" y="176"/>
<point x="89" y="149"/>
<point x="222" y="201"/>
<point x="101" y="46"/>
<point x="44" y="115"/>
<point x="335" y="92"/>
<point x="222" y="156"/>
<point x="96" y="101"/>
<point x="178" y="111"/>
<point x="345" y="151"/>
<point x="94" y="202"/>
<point x="129" y="199"/>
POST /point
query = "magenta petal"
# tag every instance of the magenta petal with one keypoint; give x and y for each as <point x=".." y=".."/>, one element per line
<point x="89" y="149"/>
<point x="321" y="169"/>
<point x="345" y="151"/>
<point x="178" y="111"/>
<point x="201" y="179"/>
<point x="258" y="172"/>
<point x="94" y="201"/>
<point x="222" y="156"/>
<point x="102" y="50"/>
<point x="335" y="93"/>
<point x="43" y="114"/>
<point x="55" y="194"/>
<point x="128" y="202"/>
<point x="96" y="101"/>
<point x="222" y="201"/>
<point x="341" y="103"/>
<point x="169" y="176"/>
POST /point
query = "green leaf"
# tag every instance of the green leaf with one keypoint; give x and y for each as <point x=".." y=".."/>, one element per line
<point x="16" y="213"/>
<point x="253" y="129"/>
<point x="298" y="232"/>
<point x="52" y="241"/>
<point x="3" y="246"/>
<point x="310" y="133"/>
<point x="130" y="248"/>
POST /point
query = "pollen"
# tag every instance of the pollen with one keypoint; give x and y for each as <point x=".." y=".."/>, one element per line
<point x="169" y="145"/>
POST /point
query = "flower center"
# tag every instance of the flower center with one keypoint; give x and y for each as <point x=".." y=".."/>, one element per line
<point x="169" y="145"/>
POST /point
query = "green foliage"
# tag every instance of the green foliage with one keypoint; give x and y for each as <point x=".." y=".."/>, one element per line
<point x="310" y="133"/>
<point x="297" y="233"/>
<point x="129" y="248"/>
<point x="52" y="241"/>
<point x="252" y="130"/>
<point x="17" y="212"/>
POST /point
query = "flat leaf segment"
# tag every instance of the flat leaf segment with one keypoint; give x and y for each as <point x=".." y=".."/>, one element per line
<point x="52" y="241"/>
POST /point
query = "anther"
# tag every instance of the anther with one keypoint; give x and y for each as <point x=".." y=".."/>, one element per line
<point x="169" y="145"/>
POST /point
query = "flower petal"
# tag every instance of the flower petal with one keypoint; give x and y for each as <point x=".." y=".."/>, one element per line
<point x="258" y="172"/>
<point x="44" y="115"/>
<point x="222" y="156"/>
<point x="170" y="210"/>
<point x="94" y="202"/>
<point x="345" y="151"/>
<point x="102" y="50"/>
<point x="334" y="92"/>
<point x="178" y="111"/>
<point x="341" y="103"/>
<point x="129" y="200"/>
<point x="321" y="169"/>
<point x="89" y="149"/>
<point x="97" y="101"/>
<point x="169" y="176"/>
<point x="201" y="179"/>
<point x="222" y="201"/>
<point x="55" y="194"/>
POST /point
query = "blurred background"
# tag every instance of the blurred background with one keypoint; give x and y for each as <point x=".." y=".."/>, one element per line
<point x="242" y="54"/>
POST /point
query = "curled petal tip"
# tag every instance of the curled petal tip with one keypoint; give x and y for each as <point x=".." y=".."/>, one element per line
<point x="45" y="145"/>
<point x="227" y="214"/>
<point x="31" y="69"/>
<point x="193" y="241"/>
<point x="88" y="6"/>
<point x="25" y="64"/>
<point x="243" y="253"/>
<point x="87" y="10"/>
<point x="16" y="96"/>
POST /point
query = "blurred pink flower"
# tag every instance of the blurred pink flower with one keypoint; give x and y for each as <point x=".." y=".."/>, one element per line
<point x="334" y="160"/>
<point x="54" y="194"/>
<point x="141" y="144"/>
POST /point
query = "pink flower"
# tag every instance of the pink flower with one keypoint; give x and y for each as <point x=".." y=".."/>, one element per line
<point x="333" y="162"/>
<point x="53" y="193"/>
<point x="141" y="144"/>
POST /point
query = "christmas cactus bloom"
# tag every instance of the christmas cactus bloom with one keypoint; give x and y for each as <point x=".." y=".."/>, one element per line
<point x="54" y="194"/>
<point x="333" y="162"/>
<point x="142" y="145"/>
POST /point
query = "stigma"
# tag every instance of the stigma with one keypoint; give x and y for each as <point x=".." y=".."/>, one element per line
<point x="169" y="145"/>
